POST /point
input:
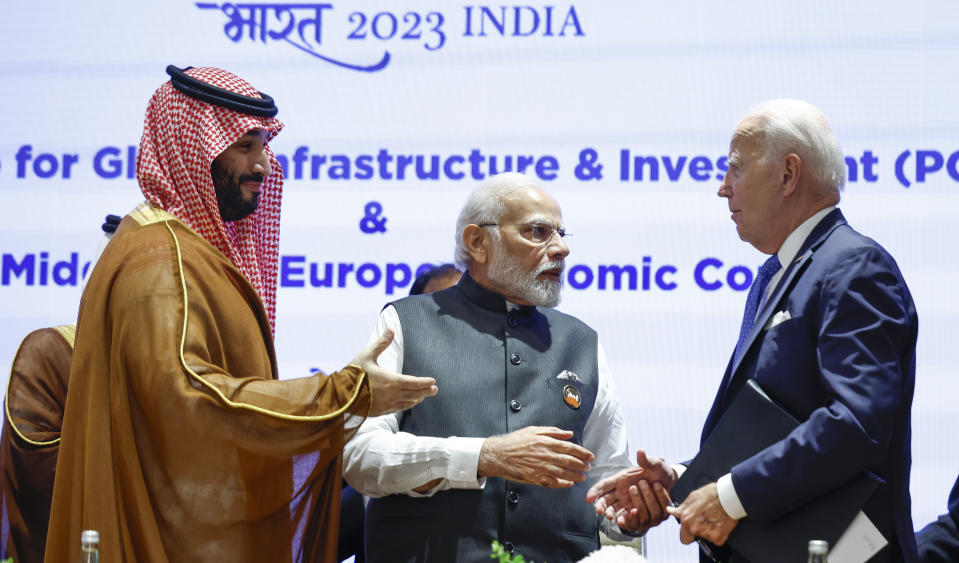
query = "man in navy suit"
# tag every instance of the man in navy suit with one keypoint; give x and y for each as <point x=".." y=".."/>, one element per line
<point x="833" y="341"/>
<point x="938" y="542"/>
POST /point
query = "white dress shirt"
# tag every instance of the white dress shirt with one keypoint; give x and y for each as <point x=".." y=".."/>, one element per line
<point x="380" y="460"/>
<point x="728" y="497"/>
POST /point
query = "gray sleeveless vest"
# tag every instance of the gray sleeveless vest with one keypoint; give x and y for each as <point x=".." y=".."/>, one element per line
<point x="497" y="371"/>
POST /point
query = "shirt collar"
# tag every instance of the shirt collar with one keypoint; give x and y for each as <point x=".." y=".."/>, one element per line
<point x="792" y="244"/>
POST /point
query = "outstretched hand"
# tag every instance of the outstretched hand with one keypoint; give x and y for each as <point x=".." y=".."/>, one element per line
<point x="391" y="391"/>
<point x="535" y="455"/>
<point x="635" y="498"/>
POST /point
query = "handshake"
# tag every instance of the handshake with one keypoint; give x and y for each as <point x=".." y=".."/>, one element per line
<point x="637" y="499"/>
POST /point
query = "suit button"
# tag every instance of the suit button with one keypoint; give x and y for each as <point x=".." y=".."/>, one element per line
<point x="509" y="546"/>
<point x="512" y="498"/>
<point x="515" y="405"/>
<point x="514" y="359"/>
<point x="511" y="321"/>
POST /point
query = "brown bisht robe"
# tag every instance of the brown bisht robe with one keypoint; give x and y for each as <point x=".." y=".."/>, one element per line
<point x="33" y="415"/>
<point x="179" y="442"/>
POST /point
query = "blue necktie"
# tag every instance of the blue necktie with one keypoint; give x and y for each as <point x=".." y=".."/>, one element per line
<point x="755" y="297"/>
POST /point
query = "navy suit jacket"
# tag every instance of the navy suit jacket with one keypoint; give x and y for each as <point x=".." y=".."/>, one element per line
<point x="938" y="542"/>
<point x="844" y="363"/>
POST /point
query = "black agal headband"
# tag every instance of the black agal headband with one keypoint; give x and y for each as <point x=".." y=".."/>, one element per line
<point x="209" y="93"/>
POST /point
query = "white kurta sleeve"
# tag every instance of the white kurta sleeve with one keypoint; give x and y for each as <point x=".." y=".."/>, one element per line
<point x="605" y="431"/>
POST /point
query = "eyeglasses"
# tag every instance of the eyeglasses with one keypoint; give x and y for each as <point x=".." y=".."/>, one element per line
<point x="539" y="233"/>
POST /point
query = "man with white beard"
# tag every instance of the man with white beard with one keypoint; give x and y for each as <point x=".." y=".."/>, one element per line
<point x="527" y="418"/>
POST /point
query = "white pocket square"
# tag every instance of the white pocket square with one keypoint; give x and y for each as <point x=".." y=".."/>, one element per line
<point x="778" y="318"/>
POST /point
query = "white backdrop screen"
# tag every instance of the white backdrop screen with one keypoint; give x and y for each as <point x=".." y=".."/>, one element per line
<point x="394" y="111"/>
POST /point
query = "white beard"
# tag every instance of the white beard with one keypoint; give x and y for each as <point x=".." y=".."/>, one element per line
<point x="517" y="281"/>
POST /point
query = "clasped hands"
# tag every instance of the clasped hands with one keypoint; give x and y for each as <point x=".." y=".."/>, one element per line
<point x="638" y="498"/>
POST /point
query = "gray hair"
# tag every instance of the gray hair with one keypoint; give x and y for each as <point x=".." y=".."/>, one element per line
<point x="485" y="206"/>
<point x="794" y="126"/>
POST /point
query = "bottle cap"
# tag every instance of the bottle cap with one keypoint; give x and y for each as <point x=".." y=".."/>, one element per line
<point x="818" y="547"/>
<point x="90" y="536"/>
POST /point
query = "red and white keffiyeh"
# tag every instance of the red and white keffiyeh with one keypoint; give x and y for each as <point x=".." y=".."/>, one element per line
<point x="181" y="138"/>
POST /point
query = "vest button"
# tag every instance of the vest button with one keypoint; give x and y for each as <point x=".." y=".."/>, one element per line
<point x="512" y="498"/>
<point x="511" y="320"/>
<point x="515" y="405"/>
<point x="514" y="359"/>
<point x="509" y="546"/>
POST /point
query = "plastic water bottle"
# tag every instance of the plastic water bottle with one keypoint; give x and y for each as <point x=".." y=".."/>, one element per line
<point x="89" y="547"/>
<point x="817" y="551"/>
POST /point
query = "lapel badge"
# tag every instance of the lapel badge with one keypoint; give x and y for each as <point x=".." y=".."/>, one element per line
<point x="566" y="374"/>
<point x="571" y="396"/>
